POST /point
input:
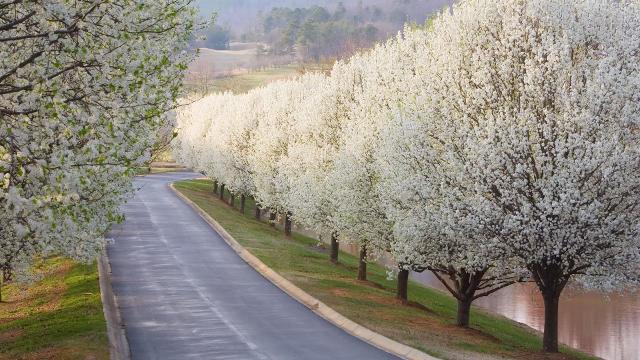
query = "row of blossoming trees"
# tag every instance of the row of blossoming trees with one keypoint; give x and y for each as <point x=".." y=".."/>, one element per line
<point x="498" y="144"/>
<point x="85" y="89"/>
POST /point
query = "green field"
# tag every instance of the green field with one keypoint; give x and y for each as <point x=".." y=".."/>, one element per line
<point x="58" y="317"/>
<point x="427" y="323"/>
<point x="235" y="70"/>
<point x="245" y="82"/>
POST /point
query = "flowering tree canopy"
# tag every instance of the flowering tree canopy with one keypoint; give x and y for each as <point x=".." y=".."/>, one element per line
<point x="85" y="91"/>
<point x="497" y="143"/>
<point x="525" y="139"/>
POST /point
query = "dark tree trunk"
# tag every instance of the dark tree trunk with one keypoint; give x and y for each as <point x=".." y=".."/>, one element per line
<point x="551" y="280"/>
<point x="215" y="186"/>
<point x="463" y="286"/>
<point x="243" y="200"/>
<point x="5" y="275"/>
<point x="402" y="292"/>
<point x="335" y="247"/>
<point x="257" y="213"/>
<point x="232" y="200"/>
<point x="222" y="192"/>
<point x="287" y="224"/>
<point x="464" y="312"/>
<point x="362" y="264"/>
<point x="272" y="218"/>
<point x="550" y="339"/>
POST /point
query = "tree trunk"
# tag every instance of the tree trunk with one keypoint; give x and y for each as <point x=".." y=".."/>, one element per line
<point x="257" y="213"/>
<point x="550" y="339"/>
<point x="402" y="292"/>
<point x="287" y="224"/>
<point x="335" y="247"/>
<point x="5" y="276"/>
<point x="551" y="280"/>
<point x="243" y="199"/>
<point x="272" y="218"/>
<point x="464" y="312"/>
<point x="215" y="186"/>
<point x="222" y="192"/>
<point x="232" y="200"/>
<point x="362" y="264"/>
<point x="463" y="285"/>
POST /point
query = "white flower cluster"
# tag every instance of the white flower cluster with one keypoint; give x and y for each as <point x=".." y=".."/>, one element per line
<point x="497" y="143"/>
<point x="85" y="87"/>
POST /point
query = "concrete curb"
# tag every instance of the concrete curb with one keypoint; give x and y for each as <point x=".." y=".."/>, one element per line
<point x="380" y="341"/>
<point x="118" y="344"/>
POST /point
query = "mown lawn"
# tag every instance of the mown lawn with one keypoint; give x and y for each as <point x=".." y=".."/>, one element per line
<point x="243" y="83"/>
<point x="427" y="323"/>
<point x="57" y="317"/>
<point x="240" y="84"/>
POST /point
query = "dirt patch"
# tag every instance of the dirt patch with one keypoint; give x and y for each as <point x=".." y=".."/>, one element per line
<point x="422" y="321"/>
<point x="10" y="335"/>
<point x="388" y="300"/>
<point x="60" y="270"/>
<point x="26" y="299"/>
<point x="339" y="292"/>
<point x="470" y="334"/>
<point x="48" y="354"/>
<point x="371" y="284"/>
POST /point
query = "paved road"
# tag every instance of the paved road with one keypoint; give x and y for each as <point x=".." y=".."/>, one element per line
<point x="184" y="294"/>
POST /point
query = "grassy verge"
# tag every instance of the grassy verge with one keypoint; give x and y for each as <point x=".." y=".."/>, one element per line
<point x="427" y="323"/>
<point x="58" y="317"/>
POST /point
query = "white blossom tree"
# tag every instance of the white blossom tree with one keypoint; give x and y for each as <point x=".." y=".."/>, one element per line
<point x="275" y="121"/>
<point x="311" y="143"/>
<point x="236" y="135"/>
<point x="85" y="89"/>
<point x="313" y="148"/>
<point x="528" y="130"/>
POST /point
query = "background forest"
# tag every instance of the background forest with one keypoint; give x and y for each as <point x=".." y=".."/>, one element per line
<point x="310" y="30"/>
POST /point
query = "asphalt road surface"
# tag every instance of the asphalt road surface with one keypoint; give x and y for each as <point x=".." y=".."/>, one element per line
<point x="185" y="294"/>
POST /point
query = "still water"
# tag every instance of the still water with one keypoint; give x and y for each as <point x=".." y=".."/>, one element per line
<point x="606" y="326"/>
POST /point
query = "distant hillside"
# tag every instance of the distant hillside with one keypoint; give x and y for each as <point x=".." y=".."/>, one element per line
<point x="240" y="15"/>
<point x="258" y="34"/>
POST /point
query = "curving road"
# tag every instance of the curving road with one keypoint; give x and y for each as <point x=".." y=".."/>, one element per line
<point x="184" y="294"/>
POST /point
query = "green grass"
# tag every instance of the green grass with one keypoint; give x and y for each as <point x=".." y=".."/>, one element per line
<point x="243" y="83"/>
<point x="59" y="317"/>
<point x="427" y="324"/>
